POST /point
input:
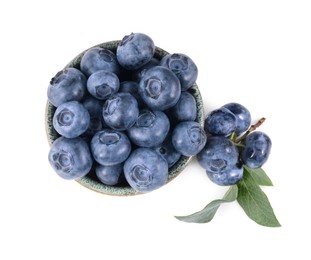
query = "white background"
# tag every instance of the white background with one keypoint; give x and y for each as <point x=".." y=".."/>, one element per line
<point x="257" y="53"/>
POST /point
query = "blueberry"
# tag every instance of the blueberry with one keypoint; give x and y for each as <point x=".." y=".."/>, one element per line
<point x="230" y="176"/>
<point x="185" y="109"/>
<point x="145" y="170"/>
<point x="220" y="122"/>
<point x="257" y="149"/>
<point x="67" y="85"/>
<point x="188" y="138"/>
<point x="219" y="154"/>
<point x="120" y="111"/>
<point x="103" y="84"/>
<point x="242" y="115"/>
<point x="159" y="88"/>
<point x="132" y="88"/>
<point x="150" y="128"/>
<point x="95" y="109"/>
<point x="183" y="67"/>
<point x="167" y="150"/>
<point x="138" y="74"/>
<point x="70" y="158"/>
<point x="96" y="59"/>
<point x="71" y="119"/>
<point x="135" y="50"/>
<point x="109" y="175"/>
<point x="110" y="147"/>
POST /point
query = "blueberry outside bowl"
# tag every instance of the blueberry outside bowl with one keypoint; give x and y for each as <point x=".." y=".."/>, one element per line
<point x="90" y="180"/>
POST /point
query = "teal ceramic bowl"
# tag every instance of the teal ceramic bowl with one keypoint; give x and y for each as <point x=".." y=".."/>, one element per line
<point x="90" y="181"/>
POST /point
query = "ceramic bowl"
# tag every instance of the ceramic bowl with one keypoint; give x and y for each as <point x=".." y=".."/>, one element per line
<point x="90" y="180"/>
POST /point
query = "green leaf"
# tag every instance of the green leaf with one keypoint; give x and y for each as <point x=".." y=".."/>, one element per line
<point x="259" y="175"/>
<point x="207" y="214"/>
<point x="255" y="203"/>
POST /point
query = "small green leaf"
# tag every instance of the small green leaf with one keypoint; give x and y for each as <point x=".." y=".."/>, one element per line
<point x="259" y="175"/>
<point x="255" y="203"/>
<point x="207" y="214"/>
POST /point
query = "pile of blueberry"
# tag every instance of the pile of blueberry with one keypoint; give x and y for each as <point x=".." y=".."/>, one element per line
<point x="231" y="142"/>
<point x="125" y="114"/>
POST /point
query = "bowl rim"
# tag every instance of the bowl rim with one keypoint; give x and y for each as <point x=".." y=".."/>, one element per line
<point x="97" y="186"/>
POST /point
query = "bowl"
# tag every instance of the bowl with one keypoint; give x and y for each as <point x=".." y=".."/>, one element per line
<point x="90" y="181"/>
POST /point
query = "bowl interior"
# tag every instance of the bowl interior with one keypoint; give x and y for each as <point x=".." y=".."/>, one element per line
<point x="90" y="181"/>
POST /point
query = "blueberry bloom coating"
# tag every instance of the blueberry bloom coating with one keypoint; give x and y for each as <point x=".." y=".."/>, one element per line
<point x="257" y="149"/>
<point x="67" y="85"/>
<point x="159" y="88"/>
<point x="110" y="147"/>
<point x="227" y="177"/>
<point x="103" y="84"/>
<point x="183" y="67"/>
<point x="109" y="175"/>
<point x="132" y="88"/>
<point x="188" y="138"/>
<point x="150" y="129"/>
<point x="138" y="74"/>
<point x="120" y="111"/>
<point x="185" y="109"/>
<point x="220" y="122"/>
<point x="71" y="119"/>
<point x="145" y="170"/>
<point x="95" y="109"/>
<point x="96" y="59"/>
<point x="135" y="50"/>
<point x="70" y="158"/>
<point x="242" y="115"/>
<point x="219" y="154"/>
<point x="168" y="152"/>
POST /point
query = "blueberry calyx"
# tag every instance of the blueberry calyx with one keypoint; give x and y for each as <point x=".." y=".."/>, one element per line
<point x="196" y="135"/>
<point x="105" y="55"/>
<point x="63" y="161"/>
<point x="65" y="117"/>
<point x="111" y="105"/>
<point x="153" y="88"/>
<point x="146" y="119"/>
<point x="217" y="165"/>
<point x="109" y="138"/>
<point x="103" y="91"/>
<point x="177" y="63"/>
<point x="141" y="175"/>
<point x="126" y="39"/>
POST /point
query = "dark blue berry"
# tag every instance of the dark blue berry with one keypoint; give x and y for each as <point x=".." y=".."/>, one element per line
<point x="132" y="88"/>
<point x="103" y="84"/>
<point x="219" y="154"/>
<point x="120" y="111"/>
<point x="257" y="149"/>
<point x="71" y="119"/>
<point x="230" y="176"/>
<point x="145" y="170"/>
<point x="150" y="129"/>
<point x="220" y="122"/>
<point x="183" y="67"/>
<point x="188" y="138"/>
<point x="70" y="158"/>
<point x="243" y="117"/>
<point x="67" y="85"/>
<point x="110" y="147"/>
<point x="135" y="50"/>
<point x="109" y="175"/>
<point x="159" y="88"/>
<point x="185" y="109"/>
<point x="96" y="59"/>
<point x="167" y="150"/>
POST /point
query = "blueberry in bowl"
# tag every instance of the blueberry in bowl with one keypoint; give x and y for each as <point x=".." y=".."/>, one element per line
<point x="126" y="174"/>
